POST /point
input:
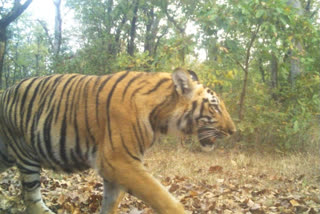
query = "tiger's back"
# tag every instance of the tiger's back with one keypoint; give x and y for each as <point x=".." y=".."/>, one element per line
<point x="61" y="119"/>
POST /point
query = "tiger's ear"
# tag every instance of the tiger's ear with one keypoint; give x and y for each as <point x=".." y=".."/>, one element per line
<point x="183" y="82"/>
<point x="193" y="75"/>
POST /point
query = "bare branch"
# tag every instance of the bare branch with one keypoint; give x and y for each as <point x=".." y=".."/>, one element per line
<point x="172" y="20"/>
<point x="16" y="11"/>
<point x="44" y="26"/>
<point x="250" y="44"/>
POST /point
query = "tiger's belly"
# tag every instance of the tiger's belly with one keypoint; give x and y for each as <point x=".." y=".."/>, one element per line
<point x="70" y="158"/>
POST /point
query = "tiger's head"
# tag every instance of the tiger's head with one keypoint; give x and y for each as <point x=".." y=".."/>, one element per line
<point x="203" y="112"/>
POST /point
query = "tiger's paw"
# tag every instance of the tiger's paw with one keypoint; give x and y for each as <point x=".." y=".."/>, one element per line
<point x="38" y="208"/>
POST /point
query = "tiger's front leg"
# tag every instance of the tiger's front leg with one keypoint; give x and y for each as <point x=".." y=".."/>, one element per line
<point x="30" y="179"/>
<point x="138" y="182"/>
<point x="112" y="196"/>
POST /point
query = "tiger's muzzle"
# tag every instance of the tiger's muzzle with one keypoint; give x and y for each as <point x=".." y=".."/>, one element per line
<point x="207" y="137"/>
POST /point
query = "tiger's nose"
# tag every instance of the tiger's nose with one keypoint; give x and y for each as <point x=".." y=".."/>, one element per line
<point x="232" y="131"/>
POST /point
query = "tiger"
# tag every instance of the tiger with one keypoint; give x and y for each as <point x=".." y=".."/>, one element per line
<point x="73" y="122"/>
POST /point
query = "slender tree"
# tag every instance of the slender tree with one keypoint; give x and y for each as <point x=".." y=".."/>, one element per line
<point x="57" y="28"/>
<point x="133" y="29"/>
<point x="5" y="21"/>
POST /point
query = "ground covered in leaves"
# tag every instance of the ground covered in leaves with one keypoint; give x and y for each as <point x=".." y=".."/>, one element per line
<point x="216" y="182"/>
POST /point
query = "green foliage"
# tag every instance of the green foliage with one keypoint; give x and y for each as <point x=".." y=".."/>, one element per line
<point x="262" y="38"/>
<point x="281" y="119"/>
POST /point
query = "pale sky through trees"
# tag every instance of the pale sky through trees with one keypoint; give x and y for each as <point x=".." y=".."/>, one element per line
<point x="44" y="10"/>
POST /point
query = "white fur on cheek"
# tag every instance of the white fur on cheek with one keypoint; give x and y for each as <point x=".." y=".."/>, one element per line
<point x="207" y="148"/>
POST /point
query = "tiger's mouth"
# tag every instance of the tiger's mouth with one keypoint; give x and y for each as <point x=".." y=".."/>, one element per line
<point x="208" y="136"/>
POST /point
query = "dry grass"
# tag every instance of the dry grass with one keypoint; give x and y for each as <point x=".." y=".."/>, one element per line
<point x="221" y="181"/>
<point x="167" y="160"/>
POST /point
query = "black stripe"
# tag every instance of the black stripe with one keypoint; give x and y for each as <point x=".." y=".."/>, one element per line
<point x="25" y="170"/>
<point x="194" y="106"/>
<point x="87" y="123"/>
<point x="46" y="86"/>
<point x="146" y="130"/>
<point x="77" y="163"/>
<point x="15" y="111"/>
<point x="138" y="89"/>
<point x="45" y="80"/>
<point x="155" y="110"/>
<point x="19" y="151"/>
<point x="140" y="133"/>
<point x="96" y="82"/>
<point x="63" y="130"/>
<point x="53" y="90"/>
<point x="78" y="148"/>
<point x="202" y="106"/>
<point x="34" y="125"/>
<point x="47" y="136"/>
<point x="129" y="83"/>
<point x="68" y="101"/>
<point x="217" y="108"/>
<point x="138" y="139"/>
<point x="5" y="101"/>
<point x="108" y="105"/>
<point x="157" y="86"/>
<point x="65" y="85"/>
<point x="31" y="185"/>
<point x="25" y="94"/>
<point x="23" y="100"/>
<point x="30" y="106"/>
<point x="25" y="150"/>
<point x="78" y="96"/>
<point x="50" y="86"/>
<point x="39" y="146"/>
<point x="104" y="82"/>
<point x="75" y="102"/>
<point x="16" y="95"/>
<point x="127" y="150"/>
<point x="189" y="118"/>
<point x="62" y="142"/>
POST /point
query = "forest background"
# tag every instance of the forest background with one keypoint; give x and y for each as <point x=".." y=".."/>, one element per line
<point x="261" y="56"/>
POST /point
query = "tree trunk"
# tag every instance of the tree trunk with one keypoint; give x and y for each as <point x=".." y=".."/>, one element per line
<point x="148" y="38"/>
<point x="7" y="75"/>
<point x="57" y="28"/>
<point x="243" y="94"/>
<point x="3" y="43"/>
<point x="274" y="71"/>
<point x="16" y="57"/>
<point x="295" y="68"/>
<point x="37" y="57"/>
<point x="262" y="70"/>
<point x="6" y="19"/>
<point x="117" y="45"/>
<point x="245" y="68"/>
<point x="131" y="45"/>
